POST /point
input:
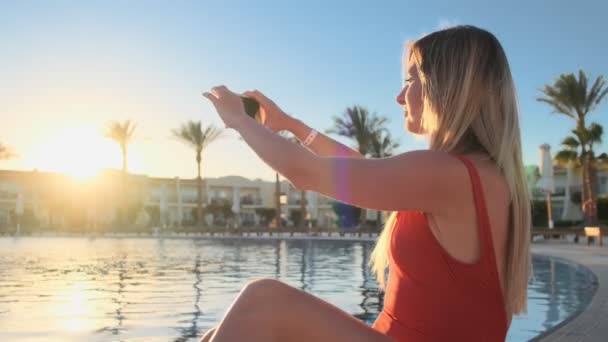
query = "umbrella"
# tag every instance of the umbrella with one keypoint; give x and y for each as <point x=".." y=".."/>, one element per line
<point x="236" y="205"/>
<point x="19" y="204"/>
<point x="164" y="205"/>
<point x="235" y="201"/>
<point x="311" y="204"/>
<point x="19" y="210"/>
<point x="570" y="212"/>
<point x="546" y="182"/>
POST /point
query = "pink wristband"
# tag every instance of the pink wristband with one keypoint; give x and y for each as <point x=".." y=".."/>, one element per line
<point x="311" y="136"/>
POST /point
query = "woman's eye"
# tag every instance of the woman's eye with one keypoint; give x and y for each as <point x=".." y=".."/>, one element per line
<point x="406" y="81"/>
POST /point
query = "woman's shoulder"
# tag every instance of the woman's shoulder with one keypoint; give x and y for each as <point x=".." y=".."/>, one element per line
<point x="445" y="164"/>
<point x="433" y="180"/>
<point x="454" y="172"/>
<point x="428" y="157"/>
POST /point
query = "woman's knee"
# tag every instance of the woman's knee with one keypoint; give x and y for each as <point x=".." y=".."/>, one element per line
<point x="260" y="293"/>
<point x="262" y="286"/>
<point x="208" y="335"/>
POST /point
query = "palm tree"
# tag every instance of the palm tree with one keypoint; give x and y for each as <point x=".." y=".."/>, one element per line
<point x="594" y="136"/>
<point x="294" y="139"/>
<point x="572" y="150"/>
<point x="382" y="145"/>
<point x="360" y="126"/>
<point x="192" y="134"/>
<point x="122" y="134"/>
<point x="277" y="192"/>
<point x="277" y="201"/>
<point x="6" y="152"/>
<point x="572" y="97"/>
<point x="571" y="153"/>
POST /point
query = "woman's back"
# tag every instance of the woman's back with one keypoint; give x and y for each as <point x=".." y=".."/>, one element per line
<point x="444" y="283"/>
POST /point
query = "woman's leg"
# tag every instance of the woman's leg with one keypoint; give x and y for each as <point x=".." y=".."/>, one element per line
<point x="208" y="335"/>
<point x="269" y="310"/>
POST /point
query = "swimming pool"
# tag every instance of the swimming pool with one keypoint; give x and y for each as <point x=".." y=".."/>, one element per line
<point x="175" y="289"/>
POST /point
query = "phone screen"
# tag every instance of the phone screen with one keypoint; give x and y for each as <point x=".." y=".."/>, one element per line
<point x="251" y="106"/>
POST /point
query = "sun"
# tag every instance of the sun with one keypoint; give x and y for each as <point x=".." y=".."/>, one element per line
<point x="79" y="151"/>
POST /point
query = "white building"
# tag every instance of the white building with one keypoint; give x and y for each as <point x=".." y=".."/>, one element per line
<point x="568" y="185"/>
<point x="54" y="199"/>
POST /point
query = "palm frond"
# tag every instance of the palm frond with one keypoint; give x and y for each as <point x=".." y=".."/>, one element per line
<point x="6" y="152"/>
<point x="570" y="95"/>
<point x="565" y="156"/>
<point x="382" y="145"/>
<point x="359" y="125"/>
<point x="597" y="93"/>
<point x="192" y="134"/>
<point x="595" y="133"/>
<point x="121" y="133"/>
<point x="571" y="143"/>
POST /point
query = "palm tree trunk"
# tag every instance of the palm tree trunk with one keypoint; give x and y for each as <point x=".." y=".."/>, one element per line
<point x="302" y="208"/>
<point x="363" y="218"/>
<point x="278" y="201"/>
<point x="124" y="158"/>
<point x="199" y="194"/>
<point x="583" y="187"/>
<point x="123" y="202"/>
<point x="590" y="206"/>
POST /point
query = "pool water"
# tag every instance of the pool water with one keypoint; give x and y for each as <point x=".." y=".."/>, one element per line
<point x="145" y="289"/>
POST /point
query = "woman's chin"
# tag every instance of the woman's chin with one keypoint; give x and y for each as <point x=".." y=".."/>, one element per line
<point x="413" y="128"/>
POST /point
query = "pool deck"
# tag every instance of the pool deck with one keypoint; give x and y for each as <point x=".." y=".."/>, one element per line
<point x="592" y="323"/>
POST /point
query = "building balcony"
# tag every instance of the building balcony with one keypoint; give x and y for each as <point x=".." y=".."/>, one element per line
<point x="251" y="201"/>
<point x="220" y="201"/>
<point x="296" y="202"/>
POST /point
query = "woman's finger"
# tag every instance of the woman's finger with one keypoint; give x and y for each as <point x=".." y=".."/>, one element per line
<point x="252" y="95"/>
<point x="257" y="96"/>
<point x="210" y="97"/>
<point x="214" y="92"/>
<point x="220" y="91"/>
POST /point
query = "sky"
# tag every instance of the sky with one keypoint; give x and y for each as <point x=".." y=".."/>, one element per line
<point x="68" y="68"/>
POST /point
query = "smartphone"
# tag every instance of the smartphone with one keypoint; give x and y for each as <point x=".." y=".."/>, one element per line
<point x="252" y="106"/>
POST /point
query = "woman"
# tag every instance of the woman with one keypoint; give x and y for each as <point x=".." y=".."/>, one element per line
<point x="457" y="242"/>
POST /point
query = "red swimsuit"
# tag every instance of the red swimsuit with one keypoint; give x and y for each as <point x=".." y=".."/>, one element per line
<point x="431" y="296"/>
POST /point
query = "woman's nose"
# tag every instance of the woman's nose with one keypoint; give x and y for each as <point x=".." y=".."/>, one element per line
<point x="401" y="97"/>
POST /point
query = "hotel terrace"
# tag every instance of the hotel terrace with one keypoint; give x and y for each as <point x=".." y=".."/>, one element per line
<point x="568" y="185"/>
<point x="52" y="200"/>
<point x="57" y="201"/>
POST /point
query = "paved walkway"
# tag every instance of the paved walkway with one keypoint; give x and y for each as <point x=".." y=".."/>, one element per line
<point x="591" y="325"/>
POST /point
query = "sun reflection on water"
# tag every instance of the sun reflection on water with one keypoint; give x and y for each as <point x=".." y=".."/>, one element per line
<point x="75" y="308"/>
<point x="71" y="289"/>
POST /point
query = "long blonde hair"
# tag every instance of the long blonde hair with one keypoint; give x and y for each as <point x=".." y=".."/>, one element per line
<point x="470" y="105"/>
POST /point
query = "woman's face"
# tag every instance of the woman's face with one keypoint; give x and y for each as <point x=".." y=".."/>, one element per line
<point x="410" y="98"/>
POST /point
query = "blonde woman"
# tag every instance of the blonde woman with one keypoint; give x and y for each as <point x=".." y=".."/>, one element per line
<point x="457" y="241"/>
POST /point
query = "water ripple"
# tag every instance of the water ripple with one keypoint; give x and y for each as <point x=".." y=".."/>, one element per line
<point x="147" y="289"/>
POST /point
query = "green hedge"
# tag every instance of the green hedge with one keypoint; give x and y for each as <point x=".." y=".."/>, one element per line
<point x="540" y="216"/>
<point x="602" y="208"/>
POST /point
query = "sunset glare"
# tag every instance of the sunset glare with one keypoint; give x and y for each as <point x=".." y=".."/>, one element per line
<point x="79" y="151"/>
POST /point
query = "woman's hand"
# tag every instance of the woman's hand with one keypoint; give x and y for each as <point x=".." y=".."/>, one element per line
<point x="271" y="115"/>
<point x="228" y="105"/>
